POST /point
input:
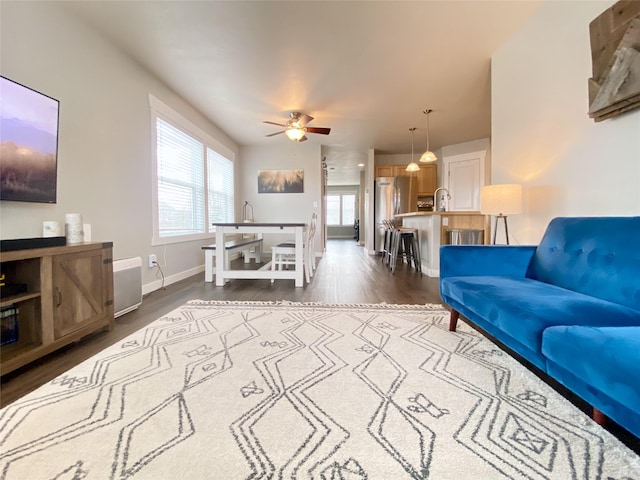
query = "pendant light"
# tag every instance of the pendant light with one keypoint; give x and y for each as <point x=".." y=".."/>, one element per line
<point x="413" y="166"/>
<point x="428" y="156"/>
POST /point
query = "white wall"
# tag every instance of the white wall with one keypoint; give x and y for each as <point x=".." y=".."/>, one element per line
<point x="542" y="136"/>
<point x="367" y="224"/>
<point x="283" y="207"/>
<point x="104" y="155"/>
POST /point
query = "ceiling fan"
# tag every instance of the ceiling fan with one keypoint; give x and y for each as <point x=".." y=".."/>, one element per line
<point x="296" y="128"/>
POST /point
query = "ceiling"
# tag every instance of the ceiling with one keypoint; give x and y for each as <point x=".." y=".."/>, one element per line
<point x="367" y="69"/>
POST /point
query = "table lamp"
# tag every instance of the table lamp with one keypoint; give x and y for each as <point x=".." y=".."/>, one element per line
<point x="501" y="200"/>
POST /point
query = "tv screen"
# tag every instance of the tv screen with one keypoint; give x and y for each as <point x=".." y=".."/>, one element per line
<point x="28" y="144"/>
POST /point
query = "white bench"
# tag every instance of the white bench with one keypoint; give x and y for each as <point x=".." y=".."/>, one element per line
<point x="244" y="245"/>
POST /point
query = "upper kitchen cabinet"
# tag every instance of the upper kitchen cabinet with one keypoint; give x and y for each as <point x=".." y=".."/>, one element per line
<point x="427" y="180"/>
<point x="400" y="171"/>
<point x="426" y="177"/>
<point x="464" y="177"/>
<point x="385" y="171"/>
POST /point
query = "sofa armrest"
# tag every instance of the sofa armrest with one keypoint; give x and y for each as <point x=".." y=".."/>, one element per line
<point x="474" y="260"/>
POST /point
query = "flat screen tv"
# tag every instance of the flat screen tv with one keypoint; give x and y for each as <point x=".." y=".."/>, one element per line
<point x="28" y="144"/>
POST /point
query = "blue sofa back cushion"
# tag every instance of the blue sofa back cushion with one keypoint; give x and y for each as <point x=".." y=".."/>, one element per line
<point x="596" y="256"/>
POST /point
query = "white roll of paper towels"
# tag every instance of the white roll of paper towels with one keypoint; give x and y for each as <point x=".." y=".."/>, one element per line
<point x="73" y="228"/>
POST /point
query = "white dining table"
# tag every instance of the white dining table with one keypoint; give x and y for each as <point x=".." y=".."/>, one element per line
<point x="223" y="274"/>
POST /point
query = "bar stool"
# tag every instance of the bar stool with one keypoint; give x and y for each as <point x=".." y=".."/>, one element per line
<point x="404" y="244"/>
<point x="391" y="229"/>
<point x="388" y="235"/>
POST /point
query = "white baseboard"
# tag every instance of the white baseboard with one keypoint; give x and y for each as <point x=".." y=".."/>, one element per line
<point x="431" y="272"/>
<point x="157" y="284"/>
<point x="153" y="286"/>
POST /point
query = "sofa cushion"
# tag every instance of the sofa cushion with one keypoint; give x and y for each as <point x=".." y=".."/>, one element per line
<point x="601" y="364"/>
<point x="523" y="308"/>
<point x="597" y="256"/>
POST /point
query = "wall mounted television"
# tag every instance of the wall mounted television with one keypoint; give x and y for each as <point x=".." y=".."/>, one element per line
<point x="28" y="144"/>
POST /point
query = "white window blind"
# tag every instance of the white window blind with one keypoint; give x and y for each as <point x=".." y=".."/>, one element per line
<point x="341" y="209"/>
<point x="220" y="188"/>
<point x="192" y="178"/>
<point x="348" y="209"/>
<point x="180" y="182"/>
<point x="333" y="209"/>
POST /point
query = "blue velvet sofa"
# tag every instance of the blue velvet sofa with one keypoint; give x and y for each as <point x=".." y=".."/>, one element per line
<point x="570" y="306"/>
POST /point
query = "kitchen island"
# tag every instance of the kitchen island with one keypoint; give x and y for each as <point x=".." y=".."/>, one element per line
<point x="433" y="231"/>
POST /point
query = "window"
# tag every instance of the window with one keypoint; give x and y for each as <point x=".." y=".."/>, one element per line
<point x="341" y="209"/>
<point x="180" y="182"/>
<point x="193" y="179"/>
<point x="220" y="188"/>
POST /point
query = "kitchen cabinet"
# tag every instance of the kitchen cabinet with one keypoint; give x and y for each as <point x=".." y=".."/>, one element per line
<point x="427" y="180"/>
<point x="464" y="178"/>
<point x="67" y="293"/>
<point x="385" y="171"/>
<point x="426" y="177"/>
<point x="401" y="171"/>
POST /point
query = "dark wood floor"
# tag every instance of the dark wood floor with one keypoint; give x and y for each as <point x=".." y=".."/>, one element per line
<point x="346" y="274"/>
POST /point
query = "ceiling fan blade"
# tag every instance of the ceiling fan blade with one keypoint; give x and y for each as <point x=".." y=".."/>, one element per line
<point x="303" y="139"/>
<point x="274" y="123"/>
<point x="304" y="119"/>
<point x="320" y="130"/>
<point x="277" y="133"/>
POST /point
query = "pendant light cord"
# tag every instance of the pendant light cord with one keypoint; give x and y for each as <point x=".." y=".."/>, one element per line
<point x="427" y="112"/>
<point x="412" y="130"/>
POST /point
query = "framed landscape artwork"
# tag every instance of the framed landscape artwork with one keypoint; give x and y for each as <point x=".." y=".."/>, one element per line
<point x="28" y="144"/>
<point x="280" y="181"/>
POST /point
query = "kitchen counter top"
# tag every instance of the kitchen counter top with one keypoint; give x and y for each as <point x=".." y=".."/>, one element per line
<point x="425" y="214"/>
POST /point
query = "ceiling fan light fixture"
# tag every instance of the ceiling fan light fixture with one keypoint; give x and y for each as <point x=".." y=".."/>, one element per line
<point x="428" y="156"/>
<point x="295" y="134"/>
<point x="296" y="127"/>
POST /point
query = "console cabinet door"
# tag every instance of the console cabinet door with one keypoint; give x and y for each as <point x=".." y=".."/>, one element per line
<point x="79" y="291"/>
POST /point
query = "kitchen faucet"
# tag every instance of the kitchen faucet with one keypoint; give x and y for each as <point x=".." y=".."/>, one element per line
<point x="435" y="199"/>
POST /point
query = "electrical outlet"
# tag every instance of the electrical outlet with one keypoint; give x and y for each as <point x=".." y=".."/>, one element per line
<point x="153" y="259"/>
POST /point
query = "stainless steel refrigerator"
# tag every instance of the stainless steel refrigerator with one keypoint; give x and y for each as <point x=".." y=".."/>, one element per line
<point x="393" y="195"/>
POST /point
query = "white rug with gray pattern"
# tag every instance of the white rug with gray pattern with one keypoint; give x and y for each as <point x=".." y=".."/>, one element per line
<point x="222" y="390"/>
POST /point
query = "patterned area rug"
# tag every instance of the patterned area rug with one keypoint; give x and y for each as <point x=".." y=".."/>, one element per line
<point x="218" y="390"/>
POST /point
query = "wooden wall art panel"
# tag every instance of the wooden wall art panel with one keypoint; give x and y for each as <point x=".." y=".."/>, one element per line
<point x="615" y="57"/>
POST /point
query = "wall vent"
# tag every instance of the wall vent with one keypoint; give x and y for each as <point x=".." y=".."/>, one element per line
<point x="127" y="285"/>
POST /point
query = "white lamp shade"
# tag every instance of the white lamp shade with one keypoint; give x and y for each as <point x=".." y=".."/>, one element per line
<point x="412" y="167"/>
<point x="428" y="156"/>
<point x="503" y="199"/>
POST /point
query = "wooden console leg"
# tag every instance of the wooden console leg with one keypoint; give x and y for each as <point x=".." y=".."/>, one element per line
<point x="599" y="417"/>
<point x="453" y="320"/>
